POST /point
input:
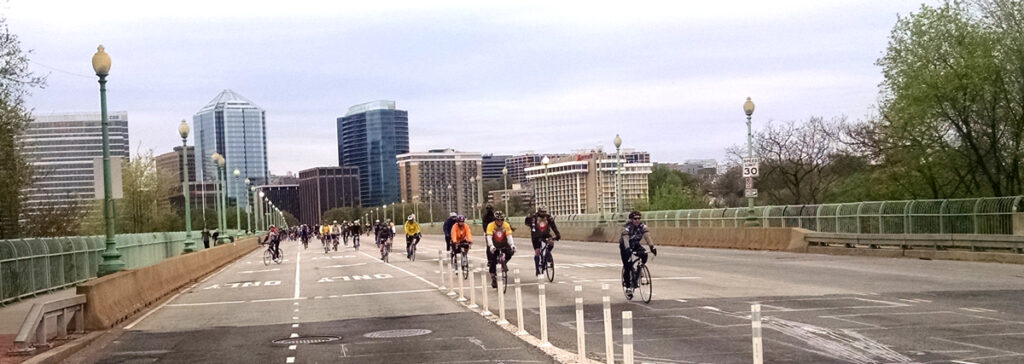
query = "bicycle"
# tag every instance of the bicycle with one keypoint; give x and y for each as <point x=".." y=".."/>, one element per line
<point x="326" y="242"/>
<point x="504" y="270"/>
<point x="269" y="256"/>
<point x="385" y="248"/>
<point x="547" y="263"/>
<point x="411" y="252"/>
<point x="334" y="239"/>
<point x="464" y="248"/>
<point x="305" y="242"/>
<point x="355" y="241"/>
<point x="640" y="280"/>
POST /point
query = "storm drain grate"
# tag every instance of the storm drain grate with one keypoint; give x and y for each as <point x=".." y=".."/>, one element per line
<point x="306" y="340"/>
<point x="390" y="334"/>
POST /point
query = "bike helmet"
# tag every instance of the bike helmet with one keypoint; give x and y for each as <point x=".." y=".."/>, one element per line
<point x="335" y="222"/>
<point x="411" y="217"/>
<point x="453" y="214"/>
<point x="498" y="215"/>
<point x="378" y="221"/>
<point x="542" y="210"/>
<point x="461" y="218"/>
<point x="634" y="215"/>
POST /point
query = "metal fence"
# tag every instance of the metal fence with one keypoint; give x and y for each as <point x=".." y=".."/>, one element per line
<point x="35" y="265"/>
<point x="995" y="216"/>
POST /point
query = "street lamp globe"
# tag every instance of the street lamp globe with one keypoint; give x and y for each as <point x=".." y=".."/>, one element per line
<point x="101" y="62"/>
<point x="748" y="107"/>
<point x="183" y="129"/>
<point x="247" y="182"/>
<point x="504" y="171"/>
<point x="545" y="160"/>
<point x="261" y="194"/>
<point x="617" y="141"/>
<point x="237" y="172"/>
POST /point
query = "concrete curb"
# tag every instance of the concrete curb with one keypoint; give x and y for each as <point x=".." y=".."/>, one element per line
<point x="60" y="353"/>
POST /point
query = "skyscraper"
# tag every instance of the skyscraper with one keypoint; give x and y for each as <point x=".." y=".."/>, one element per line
<point x="325" y="188"/>
<point x="237" y="129"/>
<point x="370" y="135"/>
<point x="62" y="148"/>
<point x="444" y="175"/>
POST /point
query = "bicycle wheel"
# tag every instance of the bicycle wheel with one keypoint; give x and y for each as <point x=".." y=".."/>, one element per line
<point x="644" y="284"/>
<point x="266" y="257"/>
<point x="280" y="256"/>
<point x="549" y="268"/>
<point x="412" y="253"/>
<point x="465" y="266"/>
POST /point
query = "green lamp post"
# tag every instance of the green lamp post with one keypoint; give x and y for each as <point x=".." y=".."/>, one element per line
<point x="190" y="245"/>
<point x="748" y="108"/>
<point x="248" y="205"/>
<point x="238" y="205"/>
<point x="547" y="192"/>
<point x="504" y="195"/>
<point x="618" y="173"/>
<point x="111" y="257"/>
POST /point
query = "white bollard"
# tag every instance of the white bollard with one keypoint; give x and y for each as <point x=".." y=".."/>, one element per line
<point x="627" y="337"/>
<point x="501" y="305"/>
<point x="462" y="287"/>
<point x="448" y="273"/>
<point x="440" y="268"/>
<point x="609" y="347"/>
<point x="543" y="316"/>
<point x="472" y="289"/>
<point x="581" y="335"/>
<point x="755" y="325"/>
<point x="519" y="306"/>
<point x="483" y="290"/>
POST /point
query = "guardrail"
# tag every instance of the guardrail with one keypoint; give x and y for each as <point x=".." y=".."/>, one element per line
<point x="35" y="265"/>
<point x="34" y="331"/>
<point x="978" y="216"/>
<point x="977" y="243"/>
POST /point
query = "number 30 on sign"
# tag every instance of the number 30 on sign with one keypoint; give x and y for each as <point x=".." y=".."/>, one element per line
<point x="751" y="167"/>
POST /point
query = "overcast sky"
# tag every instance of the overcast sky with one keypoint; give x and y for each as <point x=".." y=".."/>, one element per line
<point x="669" y="77"/>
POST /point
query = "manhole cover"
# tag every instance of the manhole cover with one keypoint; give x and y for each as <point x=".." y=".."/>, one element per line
<point x="396" y="333"/>
<point x="306" y="340"/>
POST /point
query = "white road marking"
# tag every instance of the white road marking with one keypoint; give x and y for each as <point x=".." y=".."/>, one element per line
<point x="203" y="304"/>
<point x="294" y="335"/>
<point x="290" y="359"/>
<point x="298" y="260"/>
<point x="259" y="271"/>
<point x="344" y="265"/>
<point x="962" y="362"/>
<point x="292" y="347"/>
<point x="295" y="326"/>
<point x="387" y="293"/>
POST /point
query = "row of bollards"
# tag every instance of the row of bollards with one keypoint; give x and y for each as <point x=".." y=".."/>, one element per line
<point x="447" y="283"/>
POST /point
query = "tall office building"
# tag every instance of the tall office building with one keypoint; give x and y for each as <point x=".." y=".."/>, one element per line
<point x="370" y="135"/>
<point x="325" y="188"/>
<point x="492" y="165"/>
<point x="62" y="148"/>
<point x="586" y="183"/>
<point x="237" y="129"/>
<point x="284" y="197"/>
<point x="442" y="175"/>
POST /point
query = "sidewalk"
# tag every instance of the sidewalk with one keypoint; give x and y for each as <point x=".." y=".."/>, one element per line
<point x="13" y="315"/>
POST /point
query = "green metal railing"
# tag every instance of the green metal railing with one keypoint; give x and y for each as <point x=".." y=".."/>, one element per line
<point x="35" y="265"/>
<point x="995" y="215"/>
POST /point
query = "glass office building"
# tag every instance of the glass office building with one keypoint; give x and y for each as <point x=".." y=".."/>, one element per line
<point x="237" y="129"/>
<point x="370" y="136"/>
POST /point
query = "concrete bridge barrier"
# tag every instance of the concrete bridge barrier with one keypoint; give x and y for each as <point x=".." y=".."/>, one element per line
<point x="116" y="297"/>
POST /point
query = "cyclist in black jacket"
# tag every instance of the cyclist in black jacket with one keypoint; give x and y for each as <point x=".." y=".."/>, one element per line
<point x="542" y="227"/>
<point x="629" y="244"/>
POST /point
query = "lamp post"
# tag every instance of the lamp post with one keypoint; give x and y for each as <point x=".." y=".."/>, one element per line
<point x="403" y="209"/>
<point x="450" y="198"/>
<point x="260" y="223"/>
<point x="190" y="245"/>
<point x="223" y="193"/>
<point x="111" y="257"/>
<point x="385" y="211"/>
<point x="547" y="193"/>
<point x="238" y="206"/>
<point x="472" y="197"/>
<point x="218" y="190"/>
<point x="618" y="173"/>
<point x="416" y="205"/>
<point x="430" y="200"/>
<point x="248" y="205"/>
<point x="748" y="108"/>
<point x="504" y="182"/>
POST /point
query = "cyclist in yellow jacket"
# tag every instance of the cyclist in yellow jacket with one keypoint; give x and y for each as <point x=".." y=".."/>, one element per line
<point x="412" y="234"/>
<point x="499" y="240"/>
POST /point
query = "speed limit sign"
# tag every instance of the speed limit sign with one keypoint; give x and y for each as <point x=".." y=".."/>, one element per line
<point x="751" y="167"/>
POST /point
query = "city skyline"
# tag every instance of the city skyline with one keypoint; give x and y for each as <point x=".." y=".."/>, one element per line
<point x="543" y="72"/>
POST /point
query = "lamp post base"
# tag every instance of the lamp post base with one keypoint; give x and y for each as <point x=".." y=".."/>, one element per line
<point x="112" y="263"/>
<point x="190" y="246"/>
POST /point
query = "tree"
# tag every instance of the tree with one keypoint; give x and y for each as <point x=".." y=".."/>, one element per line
<point x="347" y="213"/>
<point x="671" y="190"/>
<point x="15" y="170"/>
<point x="797" y="161"/>
<point x="953" y="97"/>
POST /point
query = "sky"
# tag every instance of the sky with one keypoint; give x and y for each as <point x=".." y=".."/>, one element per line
<point x="491" y="77"/>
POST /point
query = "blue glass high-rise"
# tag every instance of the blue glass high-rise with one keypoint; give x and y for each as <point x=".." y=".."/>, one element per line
<point x="236" y="128"/>
<point x="370" y="135"/>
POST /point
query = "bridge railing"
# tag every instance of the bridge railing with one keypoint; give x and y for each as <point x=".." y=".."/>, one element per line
<point x="35" y="265"/>
<point x="978" y="216"/>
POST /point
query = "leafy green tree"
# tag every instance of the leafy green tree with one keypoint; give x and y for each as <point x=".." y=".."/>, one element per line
<point x="15" y="170"/>
<point x="952" y="108"/>
<point x="671" y="190"/>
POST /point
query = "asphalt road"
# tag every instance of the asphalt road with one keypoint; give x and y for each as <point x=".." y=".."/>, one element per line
<point x="816" y="309"/>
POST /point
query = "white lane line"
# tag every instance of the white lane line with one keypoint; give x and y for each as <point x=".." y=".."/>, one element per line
<point x="344" y="265"/>
<point x="294" y="335"/>
<point x="292" y="347"/>
<point x="290" y="359"/>
<point x="136" y="322"/>
<point x="388" y="292"/>
<point x="203" y="304"/>
<point x="278" y="299"/>
<point x="298" y="260"/>
<point x="403" y="270"/>
<point x="295" y="326"/>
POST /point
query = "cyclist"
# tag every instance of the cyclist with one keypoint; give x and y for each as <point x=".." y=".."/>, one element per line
<point x="376" y="232"/>
<point x="447" y="228"/>
<point x="488" y="217"/>
<point x="629" y="244"/>
<point x="412" y="234"/>
<point x="355" y="229"/>
<point x="344" y="232"/>
<point x="325" y="234"/>
<point x="462" y="238"/>
<point x="499" y="238"/>
<point x="304" y="234"/>
<point x="542" y="228"/>
<point x="390" y="225"/>
<point x="273" y="238"/>
<point x="384" y="236"/>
